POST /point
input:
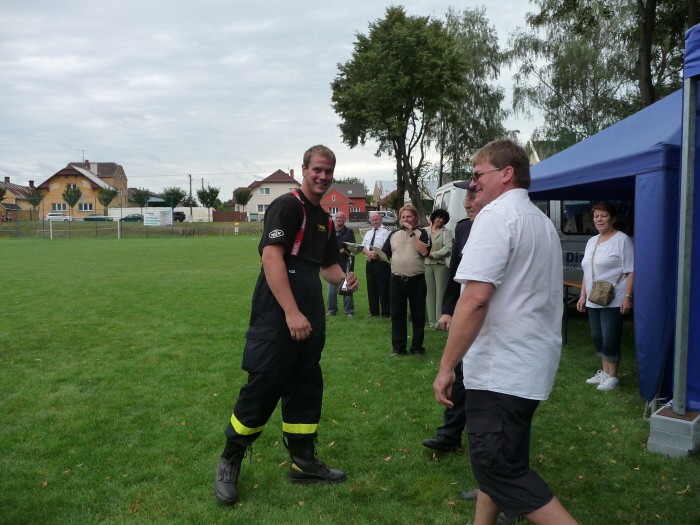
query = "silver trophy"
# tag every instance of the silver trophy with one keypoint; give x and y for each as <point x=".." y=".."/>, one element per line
<point x="351" y="249"/>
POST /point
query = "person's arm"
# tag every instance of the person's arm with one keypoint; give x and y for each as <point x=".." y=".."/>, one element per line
<point x="335" y="276"/>
<point x="581" y="303"/>
<point x="467" y="321"/>
<point x="276" y="276"/>
<point x="629" y="292"/>
<point x="447" y="242"/>
<point x="421" y="241"/>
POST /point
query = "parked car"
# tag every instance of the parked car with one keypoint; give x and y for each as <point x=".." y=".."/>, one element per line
<point x="97" y="217"/>
<point x="57" y="216"/>
<point x="178" y="216"/>
<point x="388" y="218"/>
<point x="132" y="217"/>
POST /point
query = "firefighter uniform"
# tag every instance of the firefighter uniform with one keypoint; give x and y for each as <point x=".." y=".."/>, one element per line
<point x="279" y="367"/>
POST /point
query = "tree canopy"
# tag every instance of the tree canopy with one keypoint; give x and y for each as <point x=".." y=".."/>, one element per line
<point x="174" y="195"/>
<point x="400" y="76"/>
<point x="72" y="195"/>
<point x="105" y="196"/>
<point x="209" y="197"/>
<point x="243" y="196"/>
<point x="141" y="197"/>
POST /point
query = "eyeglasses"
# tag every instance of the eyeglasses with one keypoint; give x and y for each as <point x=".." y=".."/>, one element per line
<point x="476" y="175"/>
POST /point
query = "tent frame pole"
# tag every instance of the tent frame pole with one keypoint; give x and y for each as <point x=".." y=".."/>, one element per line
<point x="685" y="244"/>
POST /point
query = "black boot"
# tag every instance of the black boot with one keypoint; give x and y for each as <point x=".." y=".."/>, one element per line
<point x="306" y="467"/>
<point x="226" y="485"/>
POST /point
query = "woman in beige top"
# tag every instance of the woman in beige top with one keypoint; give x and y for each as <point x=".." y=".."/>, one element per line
<point x="436" y="271"/>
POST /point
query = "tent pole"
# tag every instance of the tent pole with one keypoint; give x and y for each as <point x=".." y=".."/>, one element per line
<point x="685" y="245"/>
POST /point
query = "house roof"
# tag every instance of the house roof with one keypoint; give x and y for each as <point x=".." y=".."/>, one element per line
<point x="278" y="177"/>
<point x="385" y="187"/>
<point x="353" y="191"/>
<point x="72" y="169"/>
<point x="19" y="191"/>
<point x="101" y="169"/>
<point x="11" y="207"/>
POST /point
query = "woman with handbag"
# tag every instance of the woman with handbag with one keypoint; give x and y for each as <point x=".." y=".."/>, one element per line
<point x="606" y="290"/>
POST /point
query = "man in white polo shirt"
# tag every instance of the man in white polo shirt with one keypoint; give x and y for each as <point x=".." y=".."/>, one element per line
<point x="507" y="328"/>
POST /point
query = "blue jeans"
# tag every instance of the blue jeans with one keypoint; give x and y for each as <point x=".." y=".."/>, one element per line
<point x="348" y="301"/>
<point x="606" y="331"/>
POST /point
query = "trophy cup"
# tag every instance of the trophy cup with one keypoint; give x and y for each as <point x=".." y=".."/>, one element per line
<point x="351" y="250"/>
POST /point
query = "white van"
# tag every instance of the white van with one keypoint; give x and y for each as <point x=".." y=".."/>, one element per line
<point x="572" y="220"/>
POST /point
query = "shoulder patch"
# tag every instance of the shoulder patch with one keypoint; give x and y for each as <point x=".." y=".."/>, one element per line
<point x="275" y="233"/>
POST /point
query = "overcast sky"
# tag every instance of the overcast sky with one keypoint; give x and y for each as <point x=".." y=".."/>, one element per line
<point x="224" y="90"/>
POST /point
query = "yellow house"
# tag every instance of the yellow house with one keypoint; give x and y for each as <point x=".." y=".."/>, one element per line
<point x="14" y="205"/>
<point x="89" y="177"/>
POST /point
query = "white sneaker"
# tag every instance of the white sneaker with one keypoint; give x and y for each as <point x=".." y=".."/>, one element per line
<point x="611" y="383"/>
<point x="598" y="378"/>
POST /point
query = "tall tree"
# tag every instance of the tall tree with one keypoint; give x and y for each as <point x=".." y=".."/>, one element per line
<point x="574" y="61"/>
<point x="243" y="196"/>
<point x="106" y="196"/>
<point x="400" y="76"/>
<point x="72" y="195"/>
<point x="34" y="198"/>
<point x="208" y="197"/>
<point x="141" y="197"/>
<point x="174" y="195"/>
<point x="478" y="117"/>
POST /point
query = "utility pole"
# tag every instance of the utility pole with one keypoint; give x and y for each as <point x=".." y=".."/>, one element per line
<point x="202" y="182"/>
<point x="190" y="176"/>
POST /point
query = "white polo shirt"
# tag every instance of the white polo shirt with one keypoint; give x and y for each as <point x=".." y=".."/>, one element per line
<point x="514" y="246"/>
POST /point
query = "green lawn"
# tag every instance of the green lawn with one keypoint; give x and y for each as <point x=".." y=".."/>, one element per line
<point x="120" y="362"/>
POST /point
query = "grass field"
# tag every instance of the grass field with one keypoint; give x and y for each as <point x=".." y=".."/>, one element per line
<point x="120" y="364"/>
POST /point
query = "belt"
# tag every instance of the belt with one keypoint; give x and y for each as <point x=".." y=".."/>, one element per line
<point x="405" y="278"/>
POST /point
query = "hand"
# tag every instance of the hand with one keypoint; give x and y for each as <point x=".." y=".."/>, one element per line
<point x="581" y="304"/>
<point x="407" y="226"/>
<point x="299" y="326"/>
<point x="445" y="322"/>
<point x="351" y="281"/>
<point x="442" y="386"/>
<point x="626" y="305"/>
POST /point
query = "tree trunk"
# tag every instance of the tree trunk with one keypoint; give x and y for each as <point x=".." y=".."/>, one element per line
<point x="647" y="19"/>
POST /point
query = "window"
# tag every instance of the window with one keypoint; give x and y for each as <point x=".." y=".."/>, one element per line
<point x="576" y="217"/>
<point x="85" y="206"/>
<point x="59" y="206"/>
<point x="262" y="208"/>
<point x="332" y="211"/>
<point x="354" y="209"/>
<point x="264" y="191"/>
<point x="333" y="197"/>
<point x="72" y="186"/>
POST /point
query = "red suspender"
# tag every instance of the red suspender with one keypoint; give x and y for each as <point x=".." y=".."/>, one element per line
<point x="299" y="237"/>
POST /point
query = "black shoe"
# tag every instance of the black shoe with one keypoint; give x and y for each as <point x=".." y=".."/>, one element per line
<point x="226" y="484"/>
<point x="418" y="352"/>
<point x="468" y="494"/>
<point x="306" y="467"/>
<point x="397" y="354"/>
<point x="442" y="443"/>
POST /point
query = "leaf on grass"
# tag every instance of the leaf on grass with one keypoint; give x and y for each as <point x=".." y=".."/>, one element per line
<point x="540" y="458"/>
<point x="684" y="491"/>
<point x="44" y="483"/>
<point x="284" y="464"/>
<point x="613" y="461"/>
<point x="301" y="503"/>
<point x="334" y="421"/>
<point x="387" y="459"/>
<point x="615" y="429"/>
<point x="331" y="444"/>
<point x="581" y="477"/>
<point x="637" y="468"/>
<point x="451" y="503"/>
<point x="214" y="394"/>
<point x="256" y="487"/>
<point x="183" y="423"/>
<point x="354" y="405"/>
<point x="353" y="490"/>
<point x="67" y="471"/>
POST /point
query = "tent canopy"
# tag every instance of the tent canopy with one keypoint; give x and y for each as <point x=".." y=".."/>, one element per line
<point x="636" y="159"/>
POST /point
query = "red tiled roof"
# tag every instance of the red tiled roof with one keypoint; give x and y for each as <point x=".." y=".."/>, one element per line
<point x="278" y="177"/>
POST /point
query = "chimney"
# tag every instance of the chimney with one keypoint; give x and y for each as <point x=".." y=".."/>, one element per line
<point x="7" y="179"/>
<point x="291" y="173"/>
<point x="31" y="184"/>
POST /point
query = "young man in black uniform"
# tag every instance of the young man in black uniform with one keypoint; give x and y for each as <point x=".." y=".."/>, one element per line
<point x="287" y="331"/>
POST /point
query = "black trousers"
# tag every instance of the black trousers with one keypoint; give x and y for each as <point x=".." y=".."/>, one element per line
<point x="409" y="291"/>
<point x="455" y="418"/>
<point x="278" y="367"/>
<point x="378" y="274"/>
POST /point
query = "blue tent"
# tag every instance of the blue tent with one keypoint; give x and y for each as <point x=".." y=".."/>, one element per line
<point x="639" y="159"/>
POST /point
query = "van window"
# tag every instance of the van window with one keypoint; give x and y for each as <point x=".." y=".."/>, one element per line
<point x="542" y="205"/>
<point x="445" y="203"/>
<point x="577" y="219"/>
